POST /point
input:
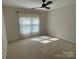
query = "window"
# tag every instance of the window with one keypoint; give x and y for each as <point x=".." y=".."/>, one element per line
<point x="35" y="24"/>
<point x="29" y="24"/>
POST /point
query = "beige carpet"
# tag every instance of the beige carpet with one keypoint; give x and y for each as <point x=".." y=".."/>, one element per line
<point x="38" y="48"/>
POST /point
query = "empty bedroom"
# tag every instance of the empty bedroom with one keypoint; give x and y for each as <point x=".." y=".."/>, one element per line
<point x="39" y="29"/>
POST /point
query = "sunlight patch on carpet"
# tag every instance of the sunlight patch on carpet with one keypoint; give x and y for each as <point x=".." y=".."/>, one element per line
<point x="45" y="41"/>
<point x="54" y="39"/>
<point x="36" y="39"/>
<point x="45" y="37"/>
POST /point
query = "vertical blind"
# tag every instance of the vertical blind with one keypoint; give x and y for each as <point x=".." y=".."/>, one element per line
<point x="29" y="24"/>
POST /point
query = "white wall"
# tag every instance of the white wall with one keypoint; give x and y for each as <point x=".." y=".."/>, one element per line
<point x="12" y="25"/>
<point x="4" y="39"/>
<point x="62" y="22"/>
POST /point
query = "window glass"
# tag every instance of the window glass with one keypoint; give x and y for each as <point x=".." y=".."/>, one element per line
<point x="29" y="25"/>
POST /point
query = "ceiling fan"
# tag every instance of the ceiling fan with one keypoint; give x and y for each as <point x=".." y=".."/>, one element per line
<point x="45" y="4"/>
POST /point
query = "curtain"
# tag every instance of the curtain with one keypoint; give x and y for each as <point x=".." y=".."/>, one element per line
<point x="29" y="25"/>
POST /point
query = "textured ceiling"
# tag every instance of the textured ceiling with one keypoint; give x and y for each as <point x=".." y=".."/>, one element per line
<point x="36" y="3"/>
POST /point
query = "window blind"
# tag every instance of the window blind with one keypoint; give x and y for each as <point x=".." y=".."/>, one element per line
<point x="29" y="24"/>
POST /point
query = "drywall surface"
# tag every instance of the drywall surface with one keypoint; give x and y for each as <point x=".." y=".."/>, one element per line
<point x="62" y="23"/>
<point x="4" y="39"/>
<point x="12" y="21"/>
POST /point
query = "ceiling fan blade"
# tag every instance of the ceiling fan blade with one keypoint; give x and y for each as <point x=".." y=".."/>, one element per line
<point x="49" y="2"/>
<point x="47" y="7"/>
<point x="43" y="0"/>
<point x="43" y="5"/>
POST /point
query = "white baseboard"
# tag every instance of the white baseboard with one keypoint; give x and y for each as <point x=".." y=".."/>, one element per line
<point x="13" y="39"/>
<point x="65" y="38"/>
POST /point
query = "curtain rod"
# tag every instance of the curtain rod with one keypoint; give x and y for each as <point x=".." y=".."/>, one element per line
<point x="26" y="12"/>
